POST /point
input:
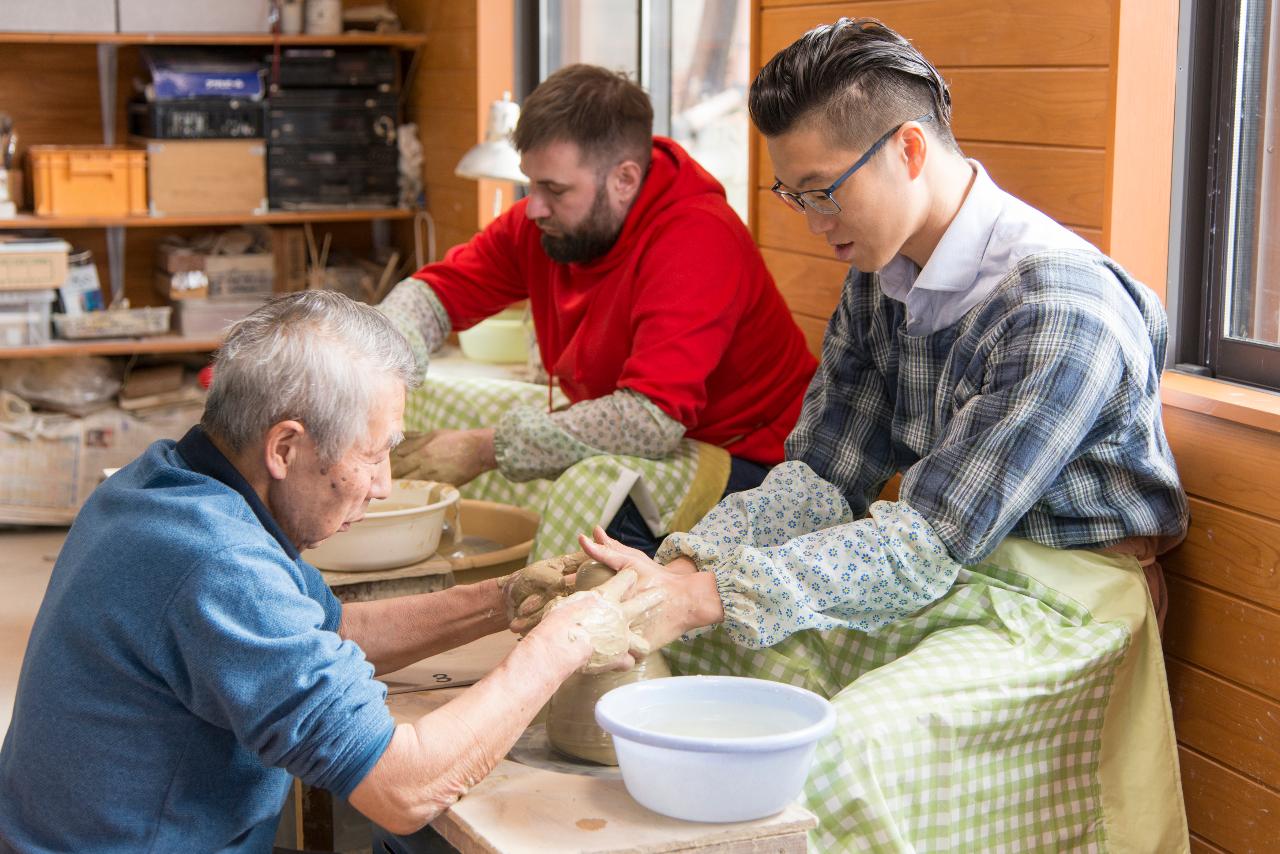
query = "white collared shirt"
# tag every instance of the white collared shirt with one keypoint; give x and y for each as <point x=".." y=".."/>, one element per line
<point x="990" y="234"/>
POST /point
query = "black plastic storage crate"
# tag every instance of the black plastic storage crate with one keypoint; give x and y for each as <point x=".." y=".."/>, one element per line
<point x="197" y="118"/>
<point x="328" y="67"/>
<point x="332" y="176"/>
<point x="332" y="116"/>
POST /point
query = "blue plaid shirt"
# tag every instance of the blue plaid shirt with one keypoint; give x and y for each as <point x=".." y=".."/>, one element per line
<point x="1036" y="415"/>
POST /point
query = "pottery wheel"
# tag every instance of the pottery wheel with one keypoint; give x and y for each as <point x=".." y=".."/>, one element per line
<point x="535" y="750"/>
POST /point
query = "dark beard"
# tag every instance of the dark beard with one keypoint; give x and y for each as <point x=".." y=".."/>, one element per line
<point x="591" y="240"/>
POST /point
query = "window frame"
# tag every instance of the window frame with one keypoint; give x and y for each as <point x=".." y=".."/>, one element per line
<point x="1202" y="250"/>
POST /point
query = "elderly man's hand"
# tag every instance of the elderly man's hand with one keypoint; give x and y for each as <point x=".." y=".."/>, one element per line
<point x="447" y="456"/>
<point x="528" y="592"/>
<point x="610" y="618"/>
<point x="689" y="598"/>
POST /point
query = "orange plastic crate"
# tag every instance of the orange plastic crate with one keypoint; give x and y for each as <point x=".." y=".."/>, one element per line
<point x="89" y="180"/>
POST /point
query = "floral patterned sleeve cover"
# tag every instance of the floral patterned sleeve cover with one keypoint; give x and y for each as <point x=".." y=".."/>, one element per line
<point x="529" y="442"/>
<point x="789" y="556"/>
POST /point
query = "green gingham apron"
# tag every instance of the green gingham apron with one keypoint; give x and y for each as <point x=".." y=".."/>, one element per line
<point x="1026" y="710"/>
<point x="671" y="493"/>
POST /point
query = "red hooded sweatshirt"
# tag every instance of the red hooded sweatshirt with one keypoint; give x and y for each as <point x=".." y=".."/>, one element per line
<point x="680" y="310"/>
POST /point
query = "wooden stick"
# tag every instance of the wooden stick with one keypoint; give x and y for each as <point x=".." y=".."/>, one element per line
<point x="312" y="255"/>
<point x="385" y="279"/>
<point x="324" y="251"/>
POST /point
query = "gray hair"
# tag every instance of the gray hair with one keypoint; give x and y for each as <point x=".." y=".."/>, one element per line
<point x="314" y="357"/>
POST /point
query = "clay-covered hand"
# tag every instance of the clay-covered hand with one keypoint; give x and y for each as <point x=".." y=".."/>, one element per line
<point x="612" y="619"/>
<point x="448" y="456"/>
<point x="689" y="598"/>
<point x="528" y="592"/>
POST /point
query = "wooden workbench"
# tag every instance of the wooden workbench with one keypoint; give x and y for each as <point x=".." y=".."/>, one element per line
<point x="519" y="809"/>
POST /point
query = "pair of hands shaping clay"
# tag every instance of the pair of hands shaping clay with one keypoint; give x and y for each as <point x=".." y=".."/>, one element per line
<point x="614" y="629"/>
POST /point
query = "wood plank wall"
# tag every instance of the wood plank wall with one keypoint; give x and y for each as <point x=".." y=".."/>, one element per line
<point x="466" y="64"/>
<point x="443" y="102"/>
<point x="1035" y="86"/>
<point x="1223" y="632"/>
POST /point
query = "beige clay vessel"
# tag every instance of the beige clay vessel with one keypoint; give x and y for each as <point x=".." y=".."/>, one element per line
<point x="571" y="715"/>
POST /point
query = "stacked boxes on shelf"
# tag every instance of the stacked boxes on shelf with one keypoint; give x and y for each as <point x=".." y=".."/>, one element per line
<point x="201" y="121"/>
<point x="30" y="272"/>
<point x="331" y="129"/>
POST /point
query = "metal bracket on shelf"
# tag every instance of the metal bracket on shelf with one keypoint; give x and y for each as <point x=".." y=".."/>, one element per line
<point x="108" y="65"/>
<point x="108" y="72"/>
<point x="115" y="262"/>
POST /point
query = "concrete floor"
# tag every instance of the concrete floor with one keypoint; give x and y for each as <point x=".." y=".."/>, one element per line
<point x="28" y="559"/>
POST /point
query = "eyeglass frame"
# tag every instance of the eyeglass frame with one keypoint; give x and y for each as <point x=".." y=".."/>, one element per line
<point x="827" y="193"/>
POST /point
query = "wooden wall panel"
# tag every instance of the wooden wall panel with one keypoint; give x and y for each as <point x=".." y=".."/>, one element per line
<point x="1224" y="635"/>
<point x="1223" y="631"/>
<point x="813" y="328"/>
<point x="1035" y="106"/>
<point x="1227" y="809"/>
<point x="1043" y="106"/>
<point x="975" y="32"/>
<point x="1235" y="726"/>
<point x="1068" y="184"/>
<point x="782" y="228"/>
<point x="443" y="103"/>
<point x="807" y="283"/>
<point x="1235" y="552"/>
<point x="1225" y="462"/>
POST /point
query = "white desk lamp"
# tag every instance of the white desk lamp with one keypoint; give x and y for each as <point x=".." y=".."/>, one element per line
<point x="495" y="158"/>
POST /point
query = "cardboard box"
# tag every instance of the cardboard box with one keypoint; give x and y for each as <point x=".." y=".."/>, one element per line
<point x="33" y="265"/>
<point x="185" y="16"/>
<point x="58" y="16"/>
<point x="187" y="275"/>
<point x="45" y="478"/>
<point x="203" y="177"/>
<point x="203" y="318"/>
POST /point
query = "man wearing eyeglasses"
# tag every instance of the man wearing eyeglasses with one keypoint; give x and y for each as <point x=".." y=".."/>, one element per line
<point x="989" y="638"/>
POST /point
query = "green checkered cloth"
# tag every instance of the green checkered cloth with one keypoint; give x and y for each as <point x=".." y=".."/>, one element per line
<point x="669" y="492"/>
<point x="973" y="725"/>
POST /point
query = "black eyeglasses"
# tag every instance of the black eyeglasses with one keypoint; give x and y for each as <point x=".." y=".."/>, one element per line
<point x="821" y="200"/>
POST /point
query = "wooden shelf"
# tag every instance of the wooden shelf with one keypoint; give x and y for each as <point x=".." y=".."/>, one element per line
<point x="29" y="221"/>
<point x="405" y="40"/>
<point x="114" y="347"/>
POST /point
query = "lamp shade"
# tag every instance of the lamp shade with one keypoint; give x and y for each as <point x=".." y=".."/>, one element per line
<point x="496" y="157"/>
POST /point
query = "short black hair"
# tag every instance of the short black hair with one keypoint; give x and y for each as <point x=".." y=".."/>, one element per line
<point x="605" y="114"/>
<point x="858" y="78"/>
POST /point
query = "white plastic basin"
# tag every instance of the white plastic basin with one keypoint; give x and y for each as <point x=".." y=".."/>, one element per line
<point x="714" y="748"/>
<point x="501" y="339"/>
<point x="400" y="530"/>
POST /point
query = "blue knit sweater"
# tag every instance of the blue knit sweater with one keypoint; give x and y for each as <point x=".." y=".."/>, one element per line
<point x="185" y="662"/>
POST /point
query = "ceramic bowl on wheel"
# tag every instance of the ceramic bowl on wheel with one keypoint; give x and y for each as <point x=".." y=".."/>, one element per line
<point x="402" y="529"/>
<point x="714" y="748"/>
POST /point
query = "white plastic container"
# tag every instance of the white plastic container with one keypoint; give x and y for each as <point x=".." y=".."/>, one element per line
<point x="403" y="529"/>
<point x="501" y="339"/>
<point x="24" y="318"/>
<point x="714" y="748"/>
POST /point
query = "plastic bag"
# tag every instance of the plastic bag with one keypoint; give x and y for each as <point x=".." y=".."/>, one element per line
<point x="77" y="385"/>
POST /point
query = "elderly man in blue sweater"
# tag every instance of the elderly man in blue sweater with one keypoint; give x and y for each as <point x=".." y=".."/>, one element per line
<point x="186" y="661"/>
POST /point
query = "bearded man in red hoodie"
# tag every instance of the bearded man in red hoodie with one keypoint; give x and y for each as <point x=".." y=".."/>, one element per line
<point x="653" y="309"/>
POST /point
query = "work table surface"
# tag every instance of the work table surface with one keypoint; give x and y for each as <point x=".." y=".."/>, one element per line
<point x="518" y="808"/>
